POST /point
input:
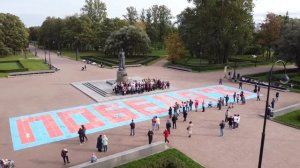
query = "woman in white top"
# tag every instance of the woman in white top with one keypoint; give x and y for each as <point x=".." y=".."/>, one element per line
<point x="157" y="122"/>
<point x="105" y="143"/>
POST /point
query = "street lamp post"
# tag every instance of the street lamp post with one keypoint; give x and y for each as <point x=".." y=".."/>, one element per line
<point x="35" y="52"/>
<point x="45" y="51"/>
<point x="284" y="80"/>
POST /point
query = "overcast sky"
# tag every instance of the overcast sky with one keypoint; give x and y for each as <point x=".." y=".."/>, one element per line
<point x="34" y="12"/>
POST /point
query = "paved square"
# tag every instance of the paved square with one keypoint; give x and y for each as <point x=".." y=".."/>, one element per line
<point x="42" y="128"/>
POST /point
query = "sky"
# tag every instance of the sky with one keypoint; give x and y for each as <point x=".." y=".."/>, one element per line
<point x="34" y="12"/>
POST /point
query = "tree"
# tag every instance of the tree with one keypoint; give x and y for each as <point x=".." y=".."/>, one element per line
<point x="174" y="47"/>
<point x="289" y="42"/>
<point x="217" y="28"/>
<point x="13" y="34"/>
<point x="50" y="33"/>
<point x="133" y="40"/>
<point x="131" y="16"/>
<point x="270" y="31"/>
<point x="158" y="24"/>
<point x="95" y="10"/>
<point x="33" y="33"/>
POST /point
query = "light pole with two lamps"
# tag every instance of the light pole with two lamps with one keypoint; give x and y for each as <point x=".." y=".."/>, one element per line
<point x="284" y="80"/>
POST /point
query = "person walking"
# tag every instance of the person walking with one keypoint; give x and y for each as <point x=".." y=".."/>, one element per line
<point x="227" y="114"/>
<point x="203" y="105"/>
<point x="220" y="81"/>
<point x="230" y="120"/>
<point x="83" y="133"/>
<point x="157" y="122"/>
<point x="132" y="128"/>
<point x="150" y="136"/>
<point x="196" y="105"/>
<point x="105" y="143"/>
<point x="190" y="129"/>
<point x="273" y="103"/>
<point x="170" y="112"/>
<point x="99" y="143"/>
<point x="168" y="126"/>
<point x="153" y="123"/>
<point x="237" y="98"/>
<point x="277" y="96"/>
<point x="166" y="135"/>
<point x="258" y="96"/>
<point x="174" y="120"/>
<point x="65" y="156"/>
<point x="222" y="125"/>
<point x="80" y="134"/>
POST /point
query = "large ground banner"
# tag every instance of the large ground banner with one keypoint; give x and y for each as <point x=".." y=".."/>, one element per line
<point x="46" y="127"/>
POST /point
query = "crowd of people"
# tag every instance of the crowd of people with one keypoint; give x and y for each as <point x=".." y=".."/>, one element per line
<point x="140" y="86"/>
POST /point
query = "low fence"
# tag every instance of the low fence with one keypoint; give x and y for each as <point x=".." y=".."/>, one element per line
<point x="126" y="156"/>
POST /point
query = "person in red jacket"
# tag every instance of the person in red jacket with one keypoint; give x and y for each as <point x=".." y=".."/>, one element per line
<point x="166" y="135"/>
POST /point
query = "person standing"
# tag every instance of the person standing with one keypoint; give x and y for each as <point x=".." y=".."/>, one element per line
<point x="196" y="105"/>
<point x="258" y="96"/>
<point x="241" y="85"/>
<point x="184" y="115"/>
<point x="166" y="135"/>
<point x="234" y="96"/>
<point x="230" y="120"/>
<point x="80" y="134"/>
<point x="226" y="99"/>
<point x="190" y="129"/>
<point x="99" y="143"/>
<point x="235" y="120"/>
<point x="277" y="96"/>
<point x="150" y="136"/>
<point x="227" y="114"/>
<point x="132" y="128"/>
<point x="220" y="81"/>
<point x="64" y="155"/>
<point x="105" y="143"/>
<point x="157" y="122"/>
<point x="191" y="104"/>
<point x="174" y="120"/>
<point x="170" y="112"/>
<point x="84" y="135"/>
<point x="238" y="120"/>
<point x="222" y="125"/>
<point x="203" y="105"/>
<point x="168" y="126"/>
<point x="153" y="123"/>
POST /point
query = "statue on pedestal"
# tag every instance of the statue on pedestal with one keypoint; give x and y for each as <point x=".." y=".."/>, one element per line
<point x="121" y="73"/>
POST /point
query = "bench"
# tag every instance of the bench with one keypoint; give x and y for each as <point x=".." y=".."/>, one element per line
<point x="179" y="68"/>
<point x="126" y="156"/>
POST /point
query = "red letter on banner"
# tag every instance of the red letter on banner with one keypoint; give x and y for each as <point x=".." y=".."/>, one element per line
<point x="167" y="99"/>
<point x="25" y="131"/>
<point x="142" y="105"/>
<point x="72" y="126"/>
<point x="116" y="115"/>
<point x="193" y="95"/>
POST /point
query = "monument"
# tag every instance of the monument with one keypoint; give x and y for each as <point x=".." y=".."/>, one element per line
<point x="121" y="73"/>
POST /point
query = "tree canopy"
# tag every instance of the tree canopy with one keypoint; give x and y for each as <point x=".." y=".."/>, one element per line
<point x="13" y="34"/>
<point x="131" y="39"/>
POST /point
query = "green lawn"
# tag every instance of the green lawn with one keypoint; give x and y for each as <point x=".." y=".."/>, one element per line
<point x="72" y="54"/>
<point x="292" y="118"/>
<point x="31" y="63"/>
<point x="9" y="65"/>
<point x="158" y="52"/>
<point x="170" y="158"/>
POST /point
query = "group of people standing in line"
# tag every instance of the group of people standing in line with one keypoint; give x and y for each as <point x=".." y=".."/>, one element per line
<point x="135" y="86"/>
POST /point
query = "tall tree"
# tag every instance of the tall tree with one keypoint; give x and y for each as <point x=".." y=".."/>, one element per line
<point x="131" y="16"/>
<point x="50" y="33"/>
<point x="270" y="31"/>
<point x="289" y="42"/>
<point x="174" y="47"/>
<point x="33" y="33"/>
<point x="95" y="10"/>
<point x="218" y="27"/>
<point x="13" y="34"/>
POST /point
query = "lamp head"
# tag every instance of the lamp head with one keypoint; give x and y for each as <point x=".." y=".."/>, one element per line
<point x="285" y="79"/>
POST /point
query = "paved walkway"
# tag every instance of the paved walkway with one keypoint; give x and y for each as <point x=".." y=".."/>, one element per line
<point x="238" y="148"/>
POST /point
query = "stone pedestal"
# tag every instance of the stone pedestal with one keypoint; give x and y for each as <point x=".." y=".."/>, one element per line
<point x="122" y="76"/>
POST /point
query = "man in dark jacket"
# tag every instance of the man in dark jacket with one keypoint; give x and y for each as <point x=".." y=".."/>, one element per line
<point x="168" y="126"/>
<point x="150" y="136"/>
<point x="174" y="119"/>
<point x="99" y="143"/>
<point x="132" y="128"/>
